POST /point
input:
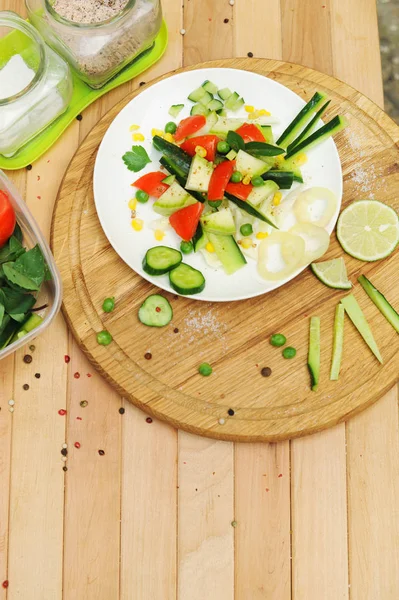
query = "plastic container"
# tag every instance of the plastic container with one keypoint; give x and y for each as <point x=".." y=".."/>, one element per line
<point x="97" y="50"/>
<point x="51" y="291"/>
<point x="35" y="83"/>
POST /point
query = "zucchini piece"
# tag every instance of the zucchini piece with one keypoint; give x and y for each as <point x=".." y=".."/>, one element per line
<point x="206" y="99"/>
<point x="357" y="317"/>
<point x="381" y="302"/>
<point x="262" y="193"/>
<point x="228" y="252"/>
<point x="169" y="179"/>
<point x="249" y="165"/>
<point x="231" y="155"/>
<point x="338" y="342"/>
<point x="175" y="109"/>
<point x="314" y="352"/>
<point x="263" y="149"/>
<point x="310" y="127"/>
<point x="231" y="100"/>
<point x="197" y="94"/>
<point x="226" y="124"/>
<point x="155" y="311"/>
<point x="160" y="260"/>
<point x="200" y="238"/>
<point x="215" y="105"/>
<point x="178" y="156"/>
<point x="331" y="128"/>
<point x="186" y="280"/>
<point x="199" y="175"/>
<point x="249" y="209"/>
<point x="224" y="93"/>
<point x="222" y="112"/>
<point x="301" y="119"/>
<point x="210" y="87"/>
<point x="199" y="109"/>
<point x="284" y="179"/>
<point x="237" y="105"/>
<point x="220" y="222"/>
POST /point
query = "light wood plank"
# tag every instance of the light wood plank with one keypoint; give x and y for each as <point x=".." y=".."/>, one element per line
<point x="249" y="29"/>
<point x="207" y="37"/>
<point x="319" y="524"/>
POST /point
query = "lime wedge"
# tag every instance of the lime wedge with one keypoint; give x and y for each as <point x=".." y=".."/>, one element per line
<point x="332" y="273"/>
<point x="368" y="230"/>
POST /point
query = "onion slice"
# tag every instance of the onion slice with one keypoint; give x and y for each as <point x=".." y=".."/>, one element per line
<point x="315" y="205"/>
<point x="316" y="241"/>
<point x="279" y="255"/>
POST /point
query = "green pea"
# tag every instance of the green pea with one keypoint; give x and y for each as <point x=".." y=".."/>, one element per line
<point x="246" y="229"/>
<point x="236" y="177"/>
<point x="289" y="352"/>
<point x="278" y="339"/>
<point x="223" y="147"/>
<point x="257" y="181"/>
<point x="108" y="305"/>
<point x="214" y="203"/>
<point x="142" y="196"/>
<point x="186" y="247"/>
<point x="104" y="338"/>
<point x="170" y="127"/>
<point x="205" y="369"/>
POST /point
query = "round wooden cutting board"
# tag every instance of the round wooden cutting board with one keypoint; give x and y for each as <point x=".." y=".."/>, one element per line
<point x="234" y="337"/>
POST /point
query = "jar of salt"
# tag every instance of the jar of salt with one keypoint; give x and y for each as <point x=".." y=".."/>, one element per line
<point x="97" y="37"/>
<point x="35" y="83"/>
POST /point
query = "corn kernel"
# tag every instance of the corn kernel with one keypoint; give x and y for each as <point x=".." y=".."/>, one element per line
<point x="301" y="159"/>
<point x="159" y="132"/>
<point x="200" y="151"/>
<point x="138" y="137"/>
<point x="262" y="235"/>
<point x="137" y="224"/>
<point x="246" y="243"/>
<point x="159" y="235"/>
<point x="209" y="247"/>
<point x="134" y="127"/>
<point x="169" y="138"/>
<point x="132" y="204"/>
<point x="264" y="113"/>
<point x="253" y="115"/>
<point x="246" y="180"/>
<point x="277" y="198"/>
<point x="248" y="108"/>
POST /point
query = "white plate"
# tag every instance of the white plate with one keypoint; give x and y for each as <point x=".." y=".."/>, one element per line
<point x="112" y="180"/>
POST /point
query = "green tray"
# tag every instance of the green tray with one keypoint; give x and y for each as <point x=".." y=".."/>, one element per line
<point x="83" y="96"/>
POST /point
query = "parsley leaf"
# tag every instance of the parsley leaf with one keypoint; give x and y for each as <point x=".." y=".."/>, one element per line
<point x="136" y="159"/>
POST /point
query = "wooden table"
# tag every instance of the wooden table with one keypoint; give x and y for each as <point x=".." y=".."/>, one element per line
<point x="164" y="514"/>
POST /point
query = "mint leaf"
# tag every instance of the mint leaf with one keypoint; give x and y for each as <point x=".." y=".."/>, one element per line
<point x="136" y="159"/>
<point x="2" y="311"/>
<point x="16" y="303"/>
<point x="11" y="251"/>
<point x="28" y="271"/>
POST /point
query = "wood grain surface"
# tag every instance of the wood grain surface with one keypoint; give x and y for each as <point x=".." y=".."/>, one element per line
<point x="151" y="535"/>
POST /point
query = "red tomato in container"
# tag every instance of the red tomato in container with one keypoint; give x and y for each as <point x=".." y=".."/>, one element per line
<point x="152" y="183"/>
<point x="239" y="190"/>
<point x="250" y="133"/>
<point x="185" y="221"/>
<point x="209" y="142"/>
<point x="7" y="218"/>
<point x="189" y="126"/>
<point x="219" y="180"/>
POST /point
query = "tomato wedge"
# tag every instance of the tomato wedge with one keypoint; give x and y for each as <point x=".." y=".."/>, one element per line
<point x="189" y="126"/>
<point x="185" y="221"/>
<point x="219" y="180"/>
<point x="152" y="183"/>
<point x="250" y="133"/>
<point x="209" y="142"/>
<point x="7" y="218"/>
<point x="239" y="190"/>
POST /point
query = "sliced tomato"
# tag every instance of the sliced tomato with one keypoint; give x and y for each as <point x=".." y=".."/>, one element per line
<point x="189" y="126"/>
<point x="7" y="218"/>
<point x="209" y="142"/>
<point x="152" y="183"/>
<point x="185" y="221"/>
<point x="239" y="190"/>
<point x="219" y="180"/>
<point x="250" y="133"/>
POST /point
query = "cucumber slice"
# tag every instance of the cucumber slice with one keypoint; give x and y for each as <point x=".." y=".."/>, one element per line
<point x="267" y="133"/>
<point x="283" y="179"/>
<point x="228" y="252"/>
<point x="309" y="128"/>
<point x="225" y="124"/>
<point x="172" y="199"/>
<point x="262" y="193"/>
<point x="314" y="352"/>
<point x="221" y="222"/>
<point x="169" y="179"/>
<point x="338" y="342"/>
<point x="231" y="155"/>
<point x="331" y="128"/>
<point x="206" y="99"/>
<point x="155" y="311"/>
<point x="186" y="280"/>
<point x="301" y="119"/>
<point x="249" y="165"/>
<point x="224" y="93"/>
<point x="178" y="156"/>
<point x="200" y="239"/>
<point x="237" y="105"/>
<point x="380" y="301"/>
<point x="160" y="260"/>
<point x="175" y="110"/>
<point x="30" y="324"/>
<point x="197" y="94"/>
<point x="222" y="112"/>
<point x="210" y="87"/>
<point x="215" y="105"/>
<point x="199" y="175"/>
<point x="199" y="109"/>
<point x="181" y="177"/>
<point x="357" y="317"/>
<point x="231" y="100"/>
<point x="250" y="210"/>
<point x="288" y="165"/>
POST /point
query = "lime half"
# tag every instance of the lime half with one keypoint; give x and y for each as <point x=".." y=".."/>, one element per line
<point x="332" y="273"/>
<point x="368" y="230"/>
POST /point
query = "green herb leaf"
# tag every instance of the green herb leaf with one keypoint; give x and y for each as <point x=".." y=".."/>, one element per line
<point x="235" y="141"/>
<point x="16" y="303"/>
<point x="28" y="271"/>
<point x="11" y="251"/>
<point x="263" y="149"/>
<point x="2" y="312"/>
<point x="18" y="233"/>
<point x="136" y="159"/>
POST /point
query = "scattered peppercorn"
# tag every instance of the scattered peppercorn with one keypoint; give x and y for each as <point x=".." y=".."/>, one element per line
<point x="67" y="358"/>
<point x="29" y="167"/>
<point x="84" y="403"/>
<point x="77" y="445"/>
<point x="230" y="412"/>
<point x="225" y="20"/>
<point x="76" y="375"/>
<point x="121" y="410"/>
<point x="25" y="386"/>
<point x="5" y="583"/>
<point x="234" y="523"/>
<point x="266" y="372"/>
<point x="175" y="330"/>
<point x="79" y="117"/>
<point x="62" y="412"/>
<point x="27" y="359"/>
<point x="37" y="375"/>
<point x="65" y="468"/>
<point x="142" y="83"/>
<point x="64" y="452"/>
<point x="148" y="420"/>
<point x="101" y="452"/>
<point x="32" y="348"/>
<point x="148" y="356"/>
<point x="250" y="54"/>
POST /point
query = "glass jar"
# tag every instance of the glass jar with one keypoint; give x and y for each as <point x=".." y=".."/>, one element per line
<point x="97" y="37"/>
<point x="35" y="83"/>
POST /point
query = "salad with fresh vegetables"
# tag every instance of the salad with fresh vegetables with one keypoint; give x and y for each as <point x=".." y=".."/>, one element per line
<point x="220" y="187"/>
<point x="22" y="273"/>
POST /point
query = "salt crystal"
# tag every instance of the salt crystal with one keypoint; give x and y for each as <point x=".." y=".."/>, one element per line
<point x="15" y="76"/>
